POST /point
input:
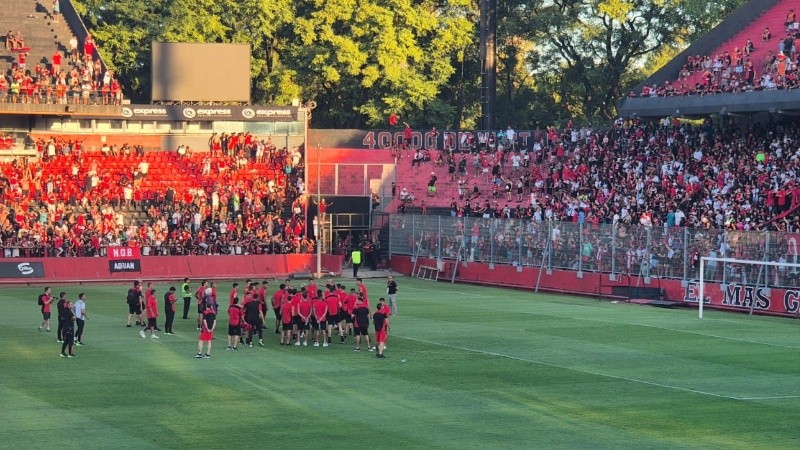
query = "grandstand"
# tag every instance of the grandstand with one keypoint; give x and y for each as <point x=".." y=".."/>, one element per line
<point x="747" y="22"/>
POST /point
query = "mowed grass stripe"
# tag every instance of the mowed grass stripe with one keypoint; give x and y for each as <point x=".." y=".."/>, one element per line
<point x="440" y="398"/>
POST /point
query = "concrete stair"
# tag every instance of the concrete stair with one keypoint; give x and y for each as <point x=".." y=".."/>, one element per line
<point x="41" y="34"/>
<point x="774" y="19"/>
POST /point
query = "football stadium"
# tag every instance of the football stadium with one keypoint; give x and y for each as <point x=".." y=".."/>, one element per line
<point x="410" y="224"/>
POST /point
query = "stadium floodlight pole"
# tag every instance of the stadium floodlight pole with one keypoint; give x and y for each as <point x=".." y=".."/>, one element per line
<point x="320" y="221"/>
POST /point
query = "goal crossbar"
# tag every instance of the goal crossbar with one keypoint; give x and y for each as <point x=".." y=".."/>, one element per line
<point x="705" y="259"/>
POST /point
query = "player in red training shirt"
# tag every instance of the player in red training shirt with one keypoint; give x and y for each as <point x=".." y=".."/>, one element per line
<point x="334" y="307"/>
<point x="234" y="293"/>
<point x="151" y="308"/>
<point x="349" y="305"/>
<point x="45" y="301"/>
<point x="235" y="318"/>
<point x="199" y="294"/>
<point x="380" y="319"/>
<point x="320" y="320"/>
<point x="294" y="301"/>
<point x="278" y="299"/>
<point x="287" y="316"/>
<point x="311" y="289"/>
<point x="304" y="312"/>
<point x="362" y="288"/>
<point x="207" y="326"/>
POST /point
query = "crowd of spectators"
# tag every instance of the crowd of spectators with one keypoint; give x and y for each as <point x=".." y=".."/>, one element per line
<point x="668" y="173"/>
<point x="75" y="203"/>
<point x="73" y="76"/>
<point x="734" y="70"/>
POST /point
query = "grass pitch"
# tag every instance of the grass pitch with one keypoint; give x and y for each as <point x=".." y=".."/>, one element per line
<point x="484" y="368"/>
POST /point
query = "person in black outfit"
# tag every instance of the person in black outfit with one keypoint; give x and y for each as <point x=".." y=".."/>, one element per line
<point x="255" y="318"/>
<point x="61" y="305"/>
<point x="67" y="317"/>
<point x="361" y="319"/>
<point x="169" y="310"/>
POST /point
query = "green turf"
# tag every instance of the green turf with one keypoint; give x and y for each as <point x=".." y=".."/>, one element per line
<point x="485" y="368"/>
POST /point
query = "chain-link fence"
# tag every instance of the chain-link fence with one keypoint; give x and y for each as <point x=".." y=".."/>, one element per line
<point x="616" y="249"/>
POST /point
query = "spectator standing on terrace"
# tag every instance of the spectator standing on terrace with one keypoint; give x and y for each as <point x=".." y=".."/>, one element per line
<point x="56" y="10"/>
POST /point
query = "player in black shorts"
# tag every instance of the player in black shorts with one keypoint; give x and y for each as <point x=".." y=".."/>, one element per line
<point x="361" y="320"/>
<point x="255" y="319"/>
<point x="67" y="317"/>
<point x="134" y="300"/>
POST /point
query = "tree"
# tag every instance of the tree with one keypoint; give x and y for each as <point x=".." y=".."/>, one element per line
<point x="591" y="50"/>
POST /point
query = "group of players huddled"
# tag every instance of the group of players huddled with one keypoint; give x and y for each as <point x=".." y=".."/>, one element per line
<point x="307" y="313"/>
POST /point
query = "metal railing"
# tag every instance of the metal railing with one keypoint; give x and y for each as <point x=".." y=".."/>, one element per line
<point x="615" y="249"/>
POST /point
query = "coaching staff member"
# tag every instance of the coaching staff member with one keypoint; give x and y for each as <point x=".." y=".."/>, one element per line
<point x="169" y="310"/>
<point x="391" y="291"/>
<point x="186" y="293"/>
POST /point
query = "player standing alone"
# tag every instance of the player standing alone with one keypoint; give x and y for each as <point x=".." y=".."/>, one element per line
<point x="45" y="301"/>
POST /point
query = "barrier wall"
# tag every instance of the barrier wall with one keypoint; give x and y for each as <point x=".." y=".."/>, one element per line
<point x="28" y="270"/>
<point x="773" y="301"/>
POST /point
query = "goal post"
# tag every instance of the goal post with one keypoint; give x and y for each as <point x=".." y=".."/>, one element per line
<point x="706" y="259"/>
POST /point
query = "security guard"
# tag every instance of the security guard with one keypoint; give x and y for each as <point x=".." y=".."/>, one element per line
<point x="355" y="258"/>
<point x="186" y="293"/>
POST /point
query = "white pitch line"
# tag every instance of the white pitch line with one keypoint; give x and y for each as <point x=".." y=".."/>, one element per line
<point x="694" y="333"/>
<point x="778" y="397"/>
<point x="623" y="323"/>
<point x="616" y="377"/>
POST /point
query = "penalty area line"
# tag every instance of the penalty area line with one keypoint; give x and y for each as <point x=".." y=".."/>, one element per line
<point x="615" y="377"/>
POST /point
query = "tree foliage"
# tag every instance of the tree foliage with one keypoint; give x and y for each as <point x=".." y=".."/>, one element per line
<point x="361" y="60"/>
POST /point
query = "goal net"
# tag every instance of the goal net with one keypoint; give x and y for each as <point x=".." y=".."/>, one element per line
<point x="742" y="271"/>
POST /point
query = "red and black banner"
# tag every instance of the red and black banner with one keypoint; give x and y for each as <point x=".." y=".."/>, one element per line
<point x="124" y="259"/>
